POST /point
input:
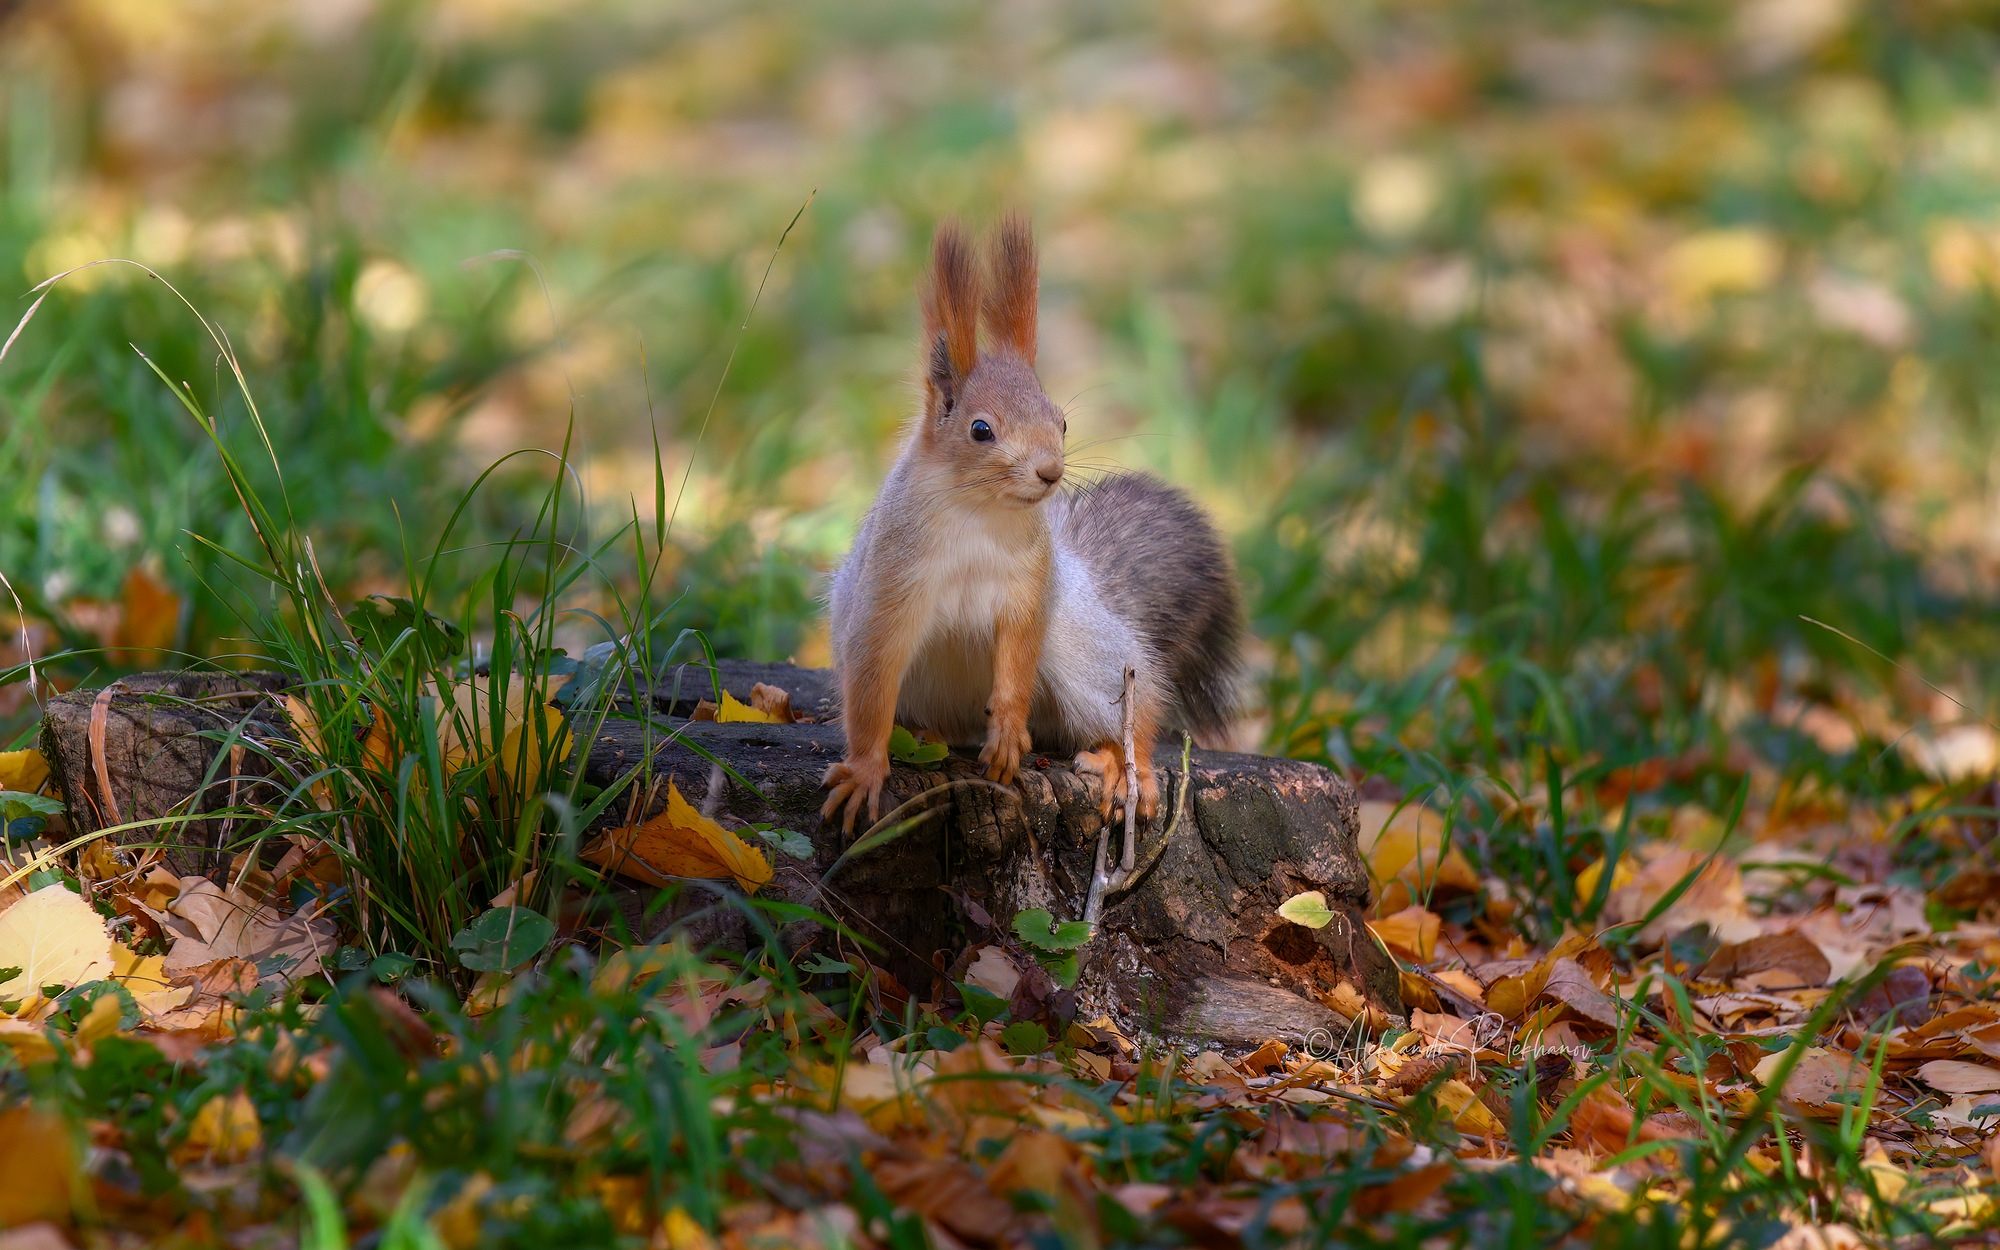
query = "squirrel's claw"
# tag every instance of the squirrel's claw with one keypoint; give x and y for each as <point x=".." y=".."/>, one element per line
<point x="853" y="785"/>
<point x="1005" y="745"/>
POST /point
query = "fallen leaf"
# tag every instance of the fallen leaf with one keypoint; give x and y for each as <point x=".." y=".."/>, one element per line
<point x="680" y="842"/>
<point x="993" y="972"/>
<point x="1954" y="1076"/>
<point x="54" y="938"/>
<point x="1789" y="953"/>
<point x="1408" y="846"/>
<point x="1411" y="933"/>
<point x="1821" y="1073"/>
<point x="1714" y="898"/>
<point x="23" y="771"/>
<point x="1308" y="909"/>
<point x="774" y="701"/>
<point x="733" y="710"/>
<point x="38" y="1177"/>
<point x="948" y="1192"/>
<point x="225" y="1130"/>
<point x="149" y="621"/>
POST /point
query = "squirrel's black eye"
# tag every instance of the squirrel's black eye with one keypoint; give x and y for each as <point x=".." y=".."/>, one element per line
<point x="982" y="432"/>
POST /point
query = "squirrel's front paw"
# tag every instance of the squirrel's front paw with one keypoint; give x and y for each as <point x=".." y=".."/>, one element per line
<point x="1005" y="745"/>
<point x="854" y="784"/>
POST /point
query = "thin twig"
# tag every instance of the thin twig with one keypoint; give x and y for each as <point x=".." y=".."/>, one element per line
<point x="1131" y="778"/>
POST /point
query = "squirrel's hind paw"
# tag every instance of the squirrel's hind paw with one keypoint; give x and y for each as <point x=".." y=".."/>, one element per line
<point x="853" y="785"/>
<point x="1104" y="769"/>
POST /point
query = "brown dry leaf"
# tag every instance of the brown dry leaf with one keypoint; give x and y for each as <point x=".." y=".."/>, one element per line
<point x="680" y="842"/>
<point x="54" y="938"/>
<point x="1714" y="898"/>
<point x="1820" y="1074"/>
<point x="23" y="771"/>
<point x="948" y="1192"/>
<point x="1954" y="1076"/>
<point x="1411" y="933"/>
<point x="1571" y="986"/>
<point x="773" y="701"/>
<point x="1798" y="961"/>
<point x="1037" y="1162"/>
<point x="1404" y="1193"/>
<point x="1605" y="1120"/>
<point x="209" y="923"/>
<point x="38" y="1177"/>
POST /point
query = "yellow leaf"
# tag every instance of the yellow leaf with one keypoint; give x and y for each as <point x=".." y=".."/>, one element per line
<point x="225" y="1130"/>
<point x="1409" y="846"/>
<point x="145" y="978"/>
<point x="38" y="1178"/>
<point x="733" y="710"/>
<point x="101" y="1021"/>
<point x="23" y="771"/>
<point x="1411" y="933"/>
<point x="679" y="842"/>
<point x="1510" y="997"/>
<point x="1586" y="881"/>
<point x="1308" y="909"/>
<point x="54" y="938"/>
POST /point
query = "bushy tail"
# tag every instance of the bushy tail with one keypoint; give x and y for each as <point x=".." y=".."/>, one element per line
<point x="1160" y="565"/>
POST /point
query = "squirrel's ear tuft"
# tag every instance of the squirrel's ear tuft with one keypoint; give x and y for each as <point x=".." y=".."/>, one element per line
<point x="1010" y="301"/>
<point x="951" y="310"/>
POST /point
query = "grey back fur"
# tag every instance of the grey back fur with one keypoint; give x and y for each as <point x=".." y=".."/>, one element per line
<point x="1160" y="566"/>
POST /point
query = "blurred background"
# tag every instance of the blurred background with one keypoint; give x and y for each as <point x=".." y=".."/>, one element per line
<point x="1548" y="363"/>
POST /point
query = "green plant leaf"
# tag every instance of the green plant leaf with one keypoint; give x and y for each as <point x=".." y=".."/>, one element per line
<point x="1039" y="929"/>
<point x="822" y="966"/>
<point x="797" y="845"/>
<point x="1308" y="909"/>
<point x="379" y="620"/>
<point x="503" y="938"/>
<point x="1024" y="1037"/>
<point x="903" y="746"/>
<point x="17" y="805"/>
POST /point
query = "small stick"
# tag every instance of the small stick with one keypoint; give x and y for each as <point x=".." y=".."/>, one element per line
<point x="1131" y="778"/>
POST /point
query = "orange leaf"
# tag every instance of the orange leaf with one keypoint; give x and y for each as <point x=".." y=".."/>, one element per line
<point x="151" y="618"/>
<point x="679" y="842"/>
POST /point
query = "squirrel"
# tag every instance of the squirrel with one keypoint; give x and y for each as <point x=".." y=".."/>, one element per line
<point x="982" y="603"/>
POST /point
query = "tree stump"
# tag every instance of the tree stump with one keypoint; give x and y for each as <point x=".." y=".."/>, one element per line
<point x="162" y="733"/>
<point x="1194" y="950"/>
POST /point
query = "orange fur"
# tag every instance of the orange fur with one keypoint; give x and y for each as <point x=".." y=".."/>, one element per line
<point x="1011" y="297"/>
<point x="1017" y="651"/>
<point x="1105" y="762"/>
<point x="951" y="301"/>
<point x="868" y="687"/>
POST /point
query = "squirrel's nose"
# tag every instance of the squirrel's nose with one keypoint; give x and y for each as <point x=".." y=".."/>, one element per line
<point x="1049" y="471"/>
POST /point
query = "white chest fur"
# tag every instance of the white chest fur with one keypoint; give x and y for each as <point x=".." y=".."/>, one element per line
<point x="962" y="578"/>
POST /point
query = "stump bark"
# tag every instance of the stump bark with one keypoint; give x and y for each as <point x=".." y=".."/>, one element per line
<point x="1193" y="951"/>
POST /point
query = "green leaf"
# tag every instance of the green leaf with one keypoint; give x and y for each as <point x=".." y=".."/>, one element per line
<point x="379" y="620"/>
<point x="503" y="938"/>
<point x="1024" y="1037"/>
<point x="1308" y="909"/>
<point x="18" y="805"/>
<point x="822" y="966"/>
<point x="982" y="1005"/>
<point x="903" y="746"/>
<point x="1039" y="929"/>
<point x="796" y="845"/>
<point x="946" y="1040"/>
